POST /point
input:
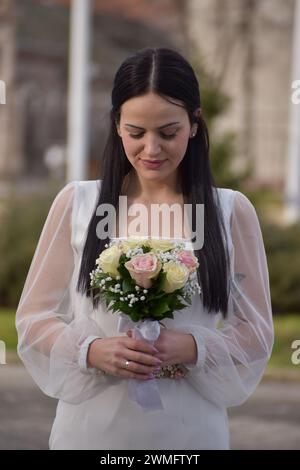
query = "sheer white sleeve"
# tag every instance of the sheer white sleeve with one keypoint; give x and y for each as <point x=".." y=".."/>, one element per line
<point x="52" y="343"/>
<point x="232" y="358"/>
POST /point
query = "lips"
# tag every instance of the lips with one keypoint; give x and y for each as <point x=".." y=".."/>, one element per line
<point x="153" y="164"/>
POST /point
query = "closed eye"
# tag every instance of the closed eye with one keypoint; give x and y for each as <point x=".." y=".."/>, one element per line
<point x="164" y="136"/>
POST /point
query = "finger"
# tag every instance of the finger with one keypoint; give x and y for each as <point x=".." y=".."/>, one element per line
<point x="142" y="346"/>
<point x="142" y="358"/>
<point x="128" y="374"/>
<point x="160" y="356"/>
<point x="138" y="368"/>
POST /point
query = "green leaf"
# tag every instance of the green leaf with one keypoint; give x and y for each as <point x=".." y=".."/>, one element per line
<point x="155" y="295"/>
<point x="135" y="316"/>
<point x="169" y="314"/>
<point x="126" y="286"/>
<point x="160" y="280"/>
<point x="160" y="307"/>
<point x="124" y="273"/>
<point x="123" y="259"/>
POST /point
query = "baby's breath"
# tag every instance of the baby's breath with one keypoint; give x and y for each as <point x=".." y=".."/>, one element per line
<point x="133" y="252"/>
<point x="110" y="288"/>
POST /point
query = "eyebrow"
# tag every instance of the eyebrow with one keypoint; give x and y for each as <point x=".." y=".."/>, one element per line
<point x="161" y="127"/>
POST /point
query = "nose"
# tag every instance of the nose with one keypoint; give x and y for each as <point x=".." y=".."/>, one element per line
<point x="152" y="146"/>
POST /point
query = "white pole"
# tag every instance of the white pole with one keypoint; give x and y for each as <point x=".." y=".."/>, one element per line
<point x="293" y="175"/>
<point x="78" y="96"/>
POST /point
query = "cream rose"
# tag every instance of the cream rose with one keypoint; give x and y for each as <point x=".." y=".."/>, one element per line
<point x="176" y="276"/>
<point x="143" y="268"/>
<point x="130" y="244"/>
<point x="109" y="260"/>
<point x="162" y="245"/>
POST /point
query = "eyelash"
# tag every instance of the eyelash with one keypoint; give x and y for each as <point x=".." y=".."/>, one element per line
<point x="164" y="136"/>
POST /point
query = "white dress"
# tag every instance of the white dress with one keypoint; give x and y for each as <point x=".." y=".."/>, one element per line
<point x="94" y="411"/>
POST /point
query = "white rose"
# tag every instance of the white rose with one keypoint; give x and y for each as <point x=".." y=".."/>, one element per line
<point x="176" y="276"/>
<point x="132" y="243"/>
<point x="162" y="245"/>
<point x="109" y="261"/>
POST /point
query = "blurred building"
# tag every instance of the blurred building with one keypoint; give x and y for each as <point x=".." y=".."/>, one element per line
<point x="245" y="44"/>
<point x="34" y="37"/>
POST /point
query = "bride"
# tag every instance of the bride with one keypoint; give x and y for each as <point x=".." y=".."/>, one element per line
<point x="157" y="152"/>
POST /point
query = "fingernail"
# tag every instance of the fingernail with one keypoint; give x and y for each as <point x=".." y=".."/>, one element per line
<point x="151" y="377"/>
<point x="157" y="369"/>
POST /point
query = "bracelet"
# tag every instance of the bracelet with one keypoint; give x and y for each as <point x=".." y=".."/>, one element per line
<point x="174" y="371"/>
<point x="82" y="358"/>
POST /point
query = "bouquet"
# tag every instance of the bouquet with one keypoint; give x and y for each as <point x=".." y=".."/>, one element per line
<point x="145" y="281"/>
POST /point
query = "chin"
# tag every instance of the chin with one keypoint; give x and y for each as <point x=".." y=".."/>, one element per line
<point x="152" y="175"/>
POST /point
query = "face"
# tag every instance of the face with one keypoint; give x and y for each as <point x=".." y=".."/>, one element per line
<point x="155" y="134"/>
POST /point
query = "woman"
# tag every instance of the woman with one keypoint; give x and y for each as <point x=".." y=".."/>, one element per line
<point x="157" y="152"/>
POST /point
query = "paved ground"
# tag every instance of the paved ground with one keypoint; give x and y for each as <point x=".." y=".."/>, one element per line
<point x="269" y="420"/>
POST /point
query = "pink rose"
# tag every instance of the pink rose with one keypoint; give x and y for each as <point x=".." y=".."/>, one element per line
<point x="188" y="259"/>
<point x="143" y="268"/>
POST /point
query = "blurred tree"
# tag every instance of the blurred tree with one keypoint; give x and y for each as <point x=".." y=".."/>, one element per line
<point x="283" y="251"/>
<point x="223" y="147"/>
<point x="22" y="221"/>
<point x="282" y="244"/>
<point x="229" y="171"/>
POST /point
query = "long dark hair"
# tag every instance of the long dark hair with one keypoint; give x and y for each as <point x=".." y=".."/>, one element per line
<point x="166" y="73"/>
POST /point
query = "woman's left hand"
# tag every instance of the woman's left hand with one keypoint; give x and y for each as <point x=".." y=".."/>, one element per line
<point x="175" y="347"/>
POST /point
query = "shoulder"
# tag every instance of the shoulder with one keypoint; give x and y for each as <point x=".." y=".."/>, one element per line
<point x="238" y="212"/>
<point x="64" y="198"/>
<point x="243" y="209"/>
<point x="66" y="190"/>
<point x="224" y="198"/>
<point x="243" y="217"/>
<point x="89" y="185"/>
<point x="224" y="195"/>
<point x="88" y="189"/>
<point x="85" y="184"/>
<point x="73" y="193"/>
<point x="235" y="201"/>
<point x="75" y="202"/>
<point x="78" y="188"/>
<point x="85" y="200"/>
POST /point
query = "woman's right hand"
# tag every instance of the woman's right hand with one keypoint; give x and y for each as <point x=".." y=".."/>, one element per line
<point x="111" y="354"/>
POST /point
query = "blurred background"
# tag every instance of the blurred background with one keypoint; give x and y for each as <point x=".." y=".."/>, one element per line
<point x="57" y="63"/>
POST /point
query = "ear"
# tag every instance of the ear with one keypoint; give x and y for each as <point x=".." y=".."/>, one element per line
<point x="198" y="112"/>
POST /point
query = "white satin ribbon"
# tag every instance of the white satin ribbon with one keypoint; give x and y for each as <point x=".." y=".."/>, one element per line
<point x="145" y="393"/>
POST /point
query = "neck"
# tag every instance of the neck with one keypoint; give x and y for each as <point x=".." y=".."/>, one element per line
<point x="153" y="190"/>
